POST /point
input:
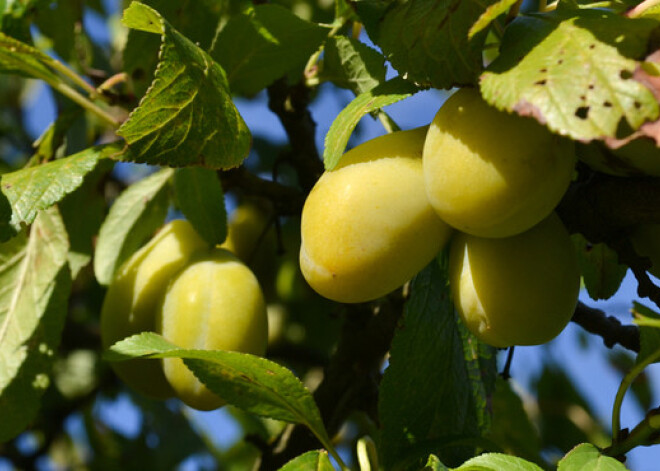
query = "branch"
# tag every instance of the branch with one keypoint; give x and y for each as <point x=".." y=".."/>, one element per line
<point x="352" y="377"/>
<point x="289" y="103"/>
<point x="608" y="327"/>
<point x="287" y="201"/>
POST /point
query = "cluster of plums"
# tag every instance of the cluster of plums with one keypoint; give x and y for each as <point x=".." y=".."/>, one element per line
<point x="484" y="181"/>
<point x="195" y="296"/>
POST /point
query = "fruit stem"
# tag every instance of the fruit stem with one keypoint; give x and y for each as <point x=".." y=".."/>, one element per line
<point x="388" y="123"/>
<point x="72" y="94"/>
<point x="625" y="384"/>
<point x="75" y="78"/>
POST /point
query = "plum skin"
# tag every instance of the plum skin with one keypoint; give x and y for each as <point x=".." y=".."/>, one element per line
<point x="367" y="226"/>
<point x="134" y="295"/>
<point x="214" y="303"/>
<point x="519" y="290"/>
<point x="490" y="173"/>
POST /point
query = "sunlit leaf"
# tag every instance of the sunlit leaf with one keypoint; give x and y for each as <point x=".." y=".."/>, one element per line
<point x="573" y="71"/>
<point x="316" y="460"/>
<point x="133" y="217"/>
<point x="342" y="127"/>
<point x="31" y="189"/>
<point x="33" y="303"/>
<point x="491" y="13"/>
<point x="498" y="462"/>
<point x="247" y="381"/>
<point x="187" y="116"/>
<point x="587" y="456"/>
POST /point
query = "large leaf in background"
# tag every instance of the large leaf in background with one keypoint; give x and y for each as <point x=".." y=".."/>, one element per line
<point x="200" y="199"/>
<point x="58" y="22"/>
<point x="264" y="44"/>
<point x="427" y="40"/>
<point x="195" y="19"/>
<point x="573" y="71"/>
<point x="33" y="303"/>
<point x="560" y="403"/>
<point x="342" y="127"/>
<point x="601" y="271"/>
<point x="349" y="63"/>
<point x="187" y="116"/>
<point x="436" y="387"/>
<point x="159" y="423"/>
<point x="512" y="429"/>
<point x="587" y="457"/>
<point x="31" y="189"/>
<point x="133" y="217"/>
<point x="316" y="460"/>
<point x="250" y="382"/>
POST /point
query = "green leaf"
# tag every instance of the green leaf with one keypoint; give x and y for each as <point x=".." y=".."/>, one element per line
<point x="418" y="403"/>
<point x="83" y="212"/>
<point x="34" y="188"/>
<point x="187" y="116"/>
<point x="133" y="217"/>
<point x="264" y="44"/>
<point x="143" y="18"/>
<point x="490" y="15"/>
<point x="342" y="127"/>
<point x="16" y="18"/>
<point x="600" y="268"/>
<point x="497" y="462"/>
<point x="511" y="427"/>
<point x="195" y="19"/>
<point x="19" y="58"/>
<point x="586" y="457"/>
<point x="585" y="94"/>
<point x="557" y="396"/>
<point x="58" y="22"/>
<point x="649" y="330"/>
<point x="33" y="304"/>
<point x="351" y="64"/>
<point x="250" y="382"/>
<point x="427" y="40"/>
<point x="199" y="194"/>
<point x="434" y="464"/>
<point x="316" y="460"/>
<point x="51" y="142"/>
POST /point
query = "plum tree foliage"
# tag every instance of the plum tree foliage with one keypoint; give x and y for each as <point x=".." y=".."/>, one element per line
<point x="350" y="306"/>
